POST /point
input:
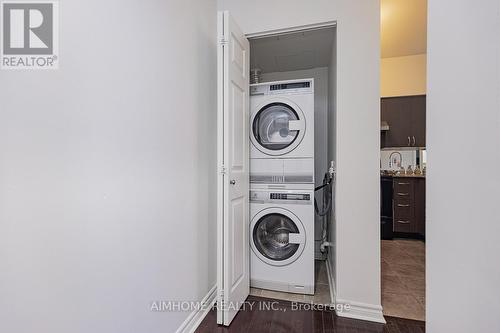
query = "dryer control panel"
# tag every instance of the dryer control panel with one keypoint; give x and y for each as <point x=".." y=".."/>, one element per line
<point x="283" y="87"/>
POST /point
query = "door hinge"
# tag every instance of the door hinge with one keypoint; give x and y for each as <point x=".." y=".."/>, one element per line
<point x="223" y="169"/>
<point x="223" y="41"/>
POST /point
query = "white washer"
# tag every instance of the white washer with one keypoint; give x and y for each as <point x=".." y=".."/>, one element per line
<point x="282" y="238"/>
<point x="282" y="119"/>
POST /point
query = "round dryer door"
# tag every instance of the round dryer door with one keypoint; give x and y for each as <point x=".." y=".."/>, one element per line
<point x="278" y="237"/>
<point x="278" y="128"/>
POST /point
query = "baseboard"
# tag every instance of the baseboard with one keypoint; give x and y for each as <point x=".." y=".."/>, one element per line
<point x="331" y="281"/>
<point x="196" y="317"/>
<point x="284" y="287"/>
<point x="356" y="310"/>
<point x="361" y="311"/>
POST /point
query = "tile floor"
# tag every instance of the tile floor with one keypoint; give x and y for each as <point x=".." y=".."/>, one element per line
<point x="403" y="278"/>
<point x="321" y="294"/>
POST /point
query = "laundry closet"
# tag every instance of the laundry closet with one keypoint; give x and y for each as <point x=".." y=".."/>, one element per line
<point x="291" y="119"/>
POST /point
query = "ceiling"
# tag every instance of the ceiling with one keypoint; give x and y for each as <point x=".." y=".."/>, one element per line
<point x="292" y="52"/>
<point x="403" y="27"/>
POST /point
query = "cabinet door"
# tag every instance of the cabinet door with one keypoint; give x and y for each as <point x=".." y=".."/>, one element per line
<point x="417" y="105"/>
<point x="420" y="205"/>
<point x="396" y="112"/>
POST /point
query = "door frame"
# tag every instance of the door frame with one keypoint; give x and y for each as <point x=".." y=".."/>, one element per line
<point x="220" y="133"/>
<point x="292" y="29"/>
<point x="220" y="169"/>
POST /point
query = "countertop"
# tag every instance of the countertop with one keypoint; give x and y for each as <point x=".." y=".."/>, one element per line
<point x="408" y="176"/>
<point x="403" y="176"/>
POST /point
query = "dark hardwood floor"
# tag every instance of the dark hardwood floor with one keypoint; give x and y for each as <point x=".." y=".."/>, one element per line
<point x="287" y="320"/>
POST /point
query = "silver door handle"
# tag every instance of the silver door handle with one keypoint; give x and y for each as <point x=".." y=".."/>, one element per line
<point x="403" y="194"/>
<point x="403" y="222"/>
<point x="232" y="182"/>
<point x="403" y="183"/>
<point x="414" y="141"/>
<point x="409" y="141"/>
<point x="401" y="205"/>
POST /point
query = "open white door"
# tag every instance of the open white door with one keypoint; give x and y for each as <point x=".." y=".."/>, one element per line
<point x="233" y="247"/>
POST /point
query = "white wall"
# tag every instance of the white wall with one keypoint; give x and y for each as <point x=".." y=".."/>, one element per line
<point x="463" y="119"/>
<point x="320" y="76"/>
<point x="107" y="171"/>
<point x="403" y="76"/>
<point x="358" y="132"/>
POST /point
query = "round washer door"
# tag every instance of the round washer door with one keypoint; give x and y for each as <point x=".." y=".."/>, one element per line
<point x="278" y="127"/>
<point x="277" y="236"/>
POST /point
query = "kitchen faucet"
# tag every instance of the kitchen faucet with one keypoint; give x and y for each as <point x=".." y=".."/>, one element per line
<point x="400" y="159"/>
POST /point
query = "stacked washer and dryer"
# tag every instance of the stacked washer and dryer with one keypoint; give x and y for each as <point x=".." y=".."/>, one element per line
<point x="282" y="186"/>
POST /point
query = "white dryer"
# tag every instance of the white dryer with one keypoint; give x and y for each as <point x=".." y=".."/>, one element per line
<point x="282" y="119"/>
<point x="282" y="132"/>
<point x="282" y="239"/>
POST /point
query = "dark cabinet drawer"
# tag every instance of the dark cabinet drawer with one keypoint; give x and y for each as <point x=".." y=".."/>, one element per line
<point x="404" y="210"/>
<point x="404" y="224"/>
<point x="403" y="197"/>
<point x="403" y="185"/>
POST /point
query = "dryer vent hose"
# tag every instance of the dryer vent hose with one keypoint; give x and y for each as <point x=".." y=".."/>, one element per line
<point x="327" y="196"/>
<point x="324" y="214"/>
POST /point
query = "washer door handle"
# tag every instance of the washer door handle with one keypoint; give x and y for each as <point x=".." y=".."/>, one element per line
<point x="295" y="238"/>
<point x="296" y="125"/>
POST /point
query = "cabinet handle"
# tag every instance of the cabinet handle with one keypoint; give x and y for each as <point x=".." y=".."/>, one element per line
<point x="403" y="194"/>
<point x="409" y="142"/>
<point x="401" y="205"/>
<point x="414" y="141"/>
<point x="403" y="183"/>
<point x="403" y="222"/>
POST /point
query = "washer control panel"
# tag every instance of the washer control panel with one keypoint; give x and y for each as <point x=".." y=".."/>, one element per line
<point x="289" y="196"/>
<point x="283" y="197"/>
<point x="291" y="85"/>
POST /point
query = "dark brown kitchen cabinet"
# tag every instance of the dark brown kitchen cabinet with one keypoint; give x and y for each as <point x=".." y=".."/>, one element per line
<point x="417" y="105"/>
<point x="404" y="206"/>
<point x="409" y="205"/>
<point x="405" y="116"/>
<point x="420" y="205"/>
<point x="396" y="113"/>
